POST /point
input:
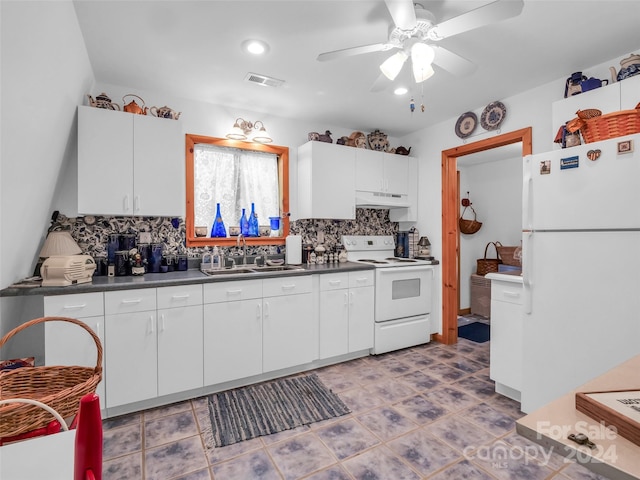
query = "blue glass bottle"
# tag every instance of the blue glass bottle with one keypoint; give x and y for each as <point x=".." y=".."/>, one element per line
<point x="218" y="230"/>
<point x="254" y="231"/>
<point x="244" y="224"/>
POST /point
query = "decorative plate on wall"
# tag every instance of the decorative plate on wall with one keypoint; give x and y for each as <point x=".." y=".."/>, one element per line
<point x="493" y="115"/>
<point x="466" y="124"/>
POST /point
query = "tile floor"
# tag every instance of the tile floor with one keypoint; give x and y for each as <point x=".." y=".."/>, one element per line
<point x="423" y="412"/>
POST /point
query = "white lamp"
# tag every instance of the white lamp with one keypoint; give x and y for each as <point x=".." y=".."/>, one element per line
<point x="59" y="242"/>
<point x="422" y="56"/>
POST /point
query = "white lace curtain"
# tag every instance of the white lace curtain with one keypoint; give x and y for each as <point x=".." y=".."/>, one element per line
<point x="234" y="178"/>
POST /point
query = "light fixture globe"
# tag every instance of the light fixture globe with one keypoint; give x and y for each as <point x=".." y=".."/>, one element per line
<point x="422" y="56"/>
<point x="391" y="66"/>
<point x="262" y="136"/>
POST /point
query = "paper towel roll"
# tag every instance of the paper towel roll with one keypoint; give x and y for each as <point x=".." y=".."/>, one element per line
<point x="293" y="254"/>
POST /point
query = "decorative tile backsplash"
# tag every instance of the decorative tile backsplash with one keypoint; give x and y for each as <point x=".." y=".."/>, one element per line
<point x="92" y="232"/>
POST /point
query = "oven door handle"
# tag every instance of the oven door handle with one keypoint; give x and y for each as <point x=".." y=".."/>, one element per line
<point x="413" y="268"/>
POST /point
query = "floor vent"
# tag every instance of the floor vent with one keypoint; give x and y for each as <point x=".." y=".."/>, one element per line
<point x="263" y="80"/>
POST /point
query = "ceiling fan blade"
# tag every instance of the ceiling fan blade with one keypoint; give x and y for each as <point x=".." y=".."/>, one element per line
<point x="490" y="13"/>
<point x="381" y="83"/>
<point x="403" y="13"/>
<point x="452" y="62"/>
<point x="348" y="52"/>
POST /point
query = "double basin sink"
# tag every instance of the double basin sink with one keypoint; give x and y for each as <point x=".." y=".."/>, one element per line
<point x="253" y="270"/>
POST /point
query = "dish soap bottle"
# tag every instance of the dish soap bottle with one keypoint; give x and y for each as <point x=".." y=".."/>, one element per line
<point x="218" y="230"/>
<point x="216" y="260"/>
<point x="244" y="224"/>
<point x="254" y="231"/>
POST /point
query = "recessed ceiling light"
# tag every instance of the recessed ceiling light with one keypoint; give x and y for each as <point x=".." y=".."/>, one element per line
<point x="400" y="91"/>
<point x="255" y="47"/>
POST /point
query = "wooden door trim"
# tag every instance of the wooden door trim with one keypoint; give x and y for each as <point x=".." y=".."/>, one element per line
<point x="450" y="213"/>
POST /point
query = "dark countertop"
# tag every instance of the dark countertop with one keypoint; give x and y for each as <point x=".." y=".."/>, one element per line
<point x="189" y="277"/>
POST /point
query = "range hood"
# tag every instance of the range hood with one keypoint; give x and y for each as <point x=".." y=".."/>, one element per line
<point x="381" y="200"/>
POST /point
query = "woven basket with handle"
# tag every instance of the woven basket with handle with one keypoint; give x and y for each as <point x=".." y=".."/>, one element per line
<point x="488" y="265"/>
<point x="595" y="128"/>
<point x="59" y="387"/>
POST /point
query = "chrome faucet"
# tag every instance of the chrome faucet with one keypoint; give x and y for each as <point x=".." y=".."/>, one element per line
<point x="244" y="247"/>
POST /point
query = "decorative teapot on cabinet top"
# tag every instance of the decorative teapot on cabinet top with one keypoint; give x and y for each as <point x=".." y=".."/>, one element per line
<point x="133" y="107"/>
<point x="165" y="112"/>
<point x="103" y="101"/>
<point x="630" y="67"/>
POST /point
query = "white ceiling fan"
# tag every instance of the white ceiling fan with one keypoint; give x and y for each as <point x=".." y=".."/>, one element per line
<point x="415" y="33"/>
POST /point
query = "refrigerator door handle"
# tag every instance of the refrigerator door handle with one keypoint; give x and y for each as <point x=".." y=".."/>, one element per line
<point x="527" y="194"/>
<point x="527" y="267"/>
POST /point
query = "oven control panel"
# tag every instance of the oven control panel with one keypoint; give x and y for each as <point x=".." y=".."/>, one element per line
<point x="368" y="242"/>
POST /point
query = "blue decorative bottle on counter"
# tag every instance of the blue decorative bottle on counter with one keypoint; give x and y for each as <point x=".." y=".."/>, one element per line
<point x="254" y="231"/>
<point x="218" y="230"/>
<point x="244" y="224"/>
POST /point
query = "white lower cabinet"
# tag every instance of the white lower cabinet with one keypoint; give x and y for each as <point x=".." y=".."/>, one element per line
<point x="289" y="334"/>
<point x="346" y="313"/>
<point x="68" y="344"/>
<point x="506" y="359"/>
<point x="180" y="346"/>
<point x="131" y="346"/>
<point x="232" y="331"/>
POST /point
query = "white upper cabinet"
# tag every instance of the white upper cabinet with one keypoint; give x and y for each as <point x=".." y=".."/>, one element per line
<point x="326" y="181"/>
<point x="129" y="164"/>
<point x="381" y="172"/>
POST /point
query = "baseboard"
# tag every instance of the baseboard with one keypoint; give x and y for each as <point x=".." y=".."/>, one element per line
<point x="464" y="311"/>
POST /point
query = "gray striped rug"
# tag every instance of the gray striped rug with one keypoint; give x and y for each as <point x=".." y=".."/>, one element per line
<point x="271" y="407"/>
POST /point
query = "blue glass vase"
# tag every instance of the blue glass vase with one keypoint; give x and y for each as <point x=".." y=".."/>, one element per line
<point x="244" y="224"/>
<point x="218" y="230"/>
<point x="254" y="231"/>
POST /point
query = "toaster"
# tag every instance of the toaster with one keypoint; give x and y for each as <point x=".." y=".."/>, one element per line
<point x="64" y="270"/>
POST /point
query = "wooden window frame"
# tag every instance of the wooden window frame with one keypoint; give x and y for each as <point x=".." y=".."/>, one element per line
<point x="283" y="179"/>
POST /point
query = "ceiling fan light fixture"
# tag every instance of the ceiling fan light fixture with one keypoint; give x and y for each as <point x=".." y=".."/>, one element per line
<point x="422" y="56"/>
<point x="422" y="73"/>
<point x="391" y="66"/>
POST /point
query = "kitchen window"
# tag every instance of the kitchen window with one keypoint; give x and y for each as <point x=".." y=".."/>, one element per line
<point x="235" y="174"/>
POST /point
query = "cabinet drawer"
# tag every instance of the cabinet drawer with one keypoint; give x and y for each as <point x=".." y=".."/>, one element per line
<point x="232" y="291"/>
<point x="334" y="281"/>
<point x="274" y="287"/>
<point x="361" y="279"/>
<point x="179" y="296"/>
<point x="75" y="306"/>
<point x="507" y="292"/>
<point x="127" y="301"/>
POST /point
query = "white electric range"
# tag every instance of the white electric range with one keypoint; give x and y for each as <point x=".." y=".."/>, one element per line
<point x="402" y="292"/>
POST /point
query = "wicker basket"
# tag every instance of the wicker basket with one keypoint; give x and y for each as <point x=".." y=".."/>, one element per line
<point x="59" y="387"/>
<point x="487" y="265"/>
<point x="509" y="255"/>
<point x="469" y="226"/>
<point x="603" y="127"/>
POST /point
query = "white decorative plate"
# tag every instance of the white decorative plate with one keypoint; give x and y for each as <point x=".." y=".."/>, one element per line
<point x="493" y="115"/>
<point x="466" y="124"/>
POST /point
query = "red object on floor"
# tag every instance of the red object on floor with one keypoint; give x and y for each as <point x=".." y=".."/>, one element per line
<point x="88" y="446"/>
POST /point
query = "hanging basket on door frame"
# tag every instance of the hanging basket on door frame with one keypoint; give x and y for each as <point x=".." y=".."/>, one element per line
<point x="469" y="226"/>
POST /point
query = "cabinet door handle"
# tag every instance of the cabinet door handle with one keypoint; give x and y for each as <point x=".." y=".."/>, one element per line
<point x="266" y="310"/>
<point x="135" y="300"/>
<point x="335" y="282"/>
<point x="136" y="203"/>
<point x="351" y="298"/>
<point x="234" y="292"/>
<point x="258" y="312"/>
<point x="74" y="307"/>
<point x="511" y="294"/>
<point x="361" y="280"/>
<point x="346" y="298"/>
<point x="290" y="286"/>
<point x="125" y="204"/>
<point x="151" y="324"/>
<point x="162" y="323"/>
<point x="180" y="297"/>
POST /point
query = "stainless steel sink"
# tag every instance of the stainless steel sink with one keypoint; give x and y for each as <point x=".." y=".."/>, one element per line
<point x="253" y="270"/>
<point x="228" y="271"/>
<point x="277" y="268"/>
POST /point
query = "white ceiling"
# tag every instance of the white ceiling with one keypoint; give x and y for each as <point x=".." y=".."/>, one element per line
<point x="192" y="49"/>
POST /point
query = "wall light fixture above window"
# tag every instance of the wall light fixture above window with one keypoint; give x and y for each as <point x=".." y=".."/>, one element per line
<point x="242" y="130"/>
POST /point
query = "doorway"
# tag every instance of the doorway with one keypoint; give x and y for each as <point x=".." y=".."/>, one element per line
<point x="450" y="213"/>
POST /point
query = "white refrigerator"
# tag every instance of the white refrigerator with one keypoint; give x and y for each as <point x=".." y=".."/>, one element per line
<point x="581" y="265"/>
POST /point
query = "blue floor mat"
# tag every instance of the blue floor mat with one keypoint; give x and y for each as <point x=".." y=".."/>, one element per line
<point x="476" y="332"/>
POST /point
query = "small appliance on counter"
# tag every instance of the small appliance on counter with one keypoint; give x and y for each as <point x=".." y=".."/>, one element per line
<point x="64" y="270"/>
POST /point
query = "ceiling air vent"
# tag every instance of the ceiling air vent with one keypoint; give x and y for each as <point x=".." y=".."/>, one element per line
<point x="263" y="80"/>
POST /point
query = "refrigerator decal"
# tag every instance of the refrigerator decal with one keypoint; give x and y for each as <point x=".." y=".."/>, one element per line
<point x="593" y="155"/>
<point x="625" y="147"/>
<point x="545" y="167"/>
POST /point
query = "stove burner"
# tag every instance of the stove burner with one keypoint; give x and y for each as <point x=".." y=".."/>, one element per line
<point x="369" y="260"/>
<point x="400" y="260"/>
